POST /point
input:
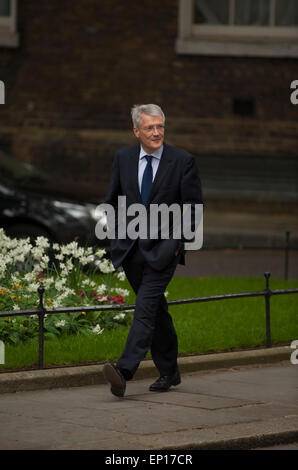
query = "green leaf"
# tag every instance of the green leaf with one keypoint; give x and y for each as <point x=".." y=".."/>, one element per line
<point x="50" y="336"/>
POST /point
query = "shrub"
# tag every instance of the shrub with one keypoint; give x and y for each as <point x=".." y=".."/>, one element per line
<point x="69" y="274"/>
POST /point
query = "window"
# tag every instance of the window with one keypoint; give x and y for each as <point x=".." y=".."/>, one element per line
<point x="266" y="28"/>
<point x="8" y="34"/>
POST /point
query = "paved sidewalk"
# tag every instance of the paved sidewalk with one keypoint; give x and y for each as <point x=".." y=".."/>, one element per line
<point x="226" y="230"/>
<point x="238" y="407"/>
<point x="239" y="263"/>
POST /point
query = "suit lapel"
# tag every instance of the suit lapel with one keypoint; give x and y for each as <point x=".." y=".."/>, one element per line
<point x="133" y="168"/>
<point x="162" y="170"/>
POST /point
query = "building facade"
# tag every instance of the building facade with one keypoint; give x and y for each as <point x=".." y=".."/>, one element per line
<point x="222" y="72"/>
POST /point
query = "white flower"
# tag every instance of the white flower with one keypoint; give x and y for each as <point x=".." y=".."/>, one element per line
<point x="33" y="287"/>
<point x="59" y="284"/>
<point x="64" y="272"/>
<point x="48" y="282"/>
<point x="29" y="277"/>
<point x="121" y="275"/>
<point x="15" y="278"/>
<point x="60" y="323"/>
<point x="106" y="266"/>
<point x="86" y="259"/>
<point x="69" y="264"/>
<point x="101" y="289"/>
<point x="68" y="249"/>
<point x="42" y="242"/>
<point x="97" y="330"/>
<point x="100" y="253"/>
<point x="37" y="252"/>
<point x="44" y="262"/>
<point x="119" y="291"/>
<point x="20" y="258"/>
<point x="119" y="316"/>
<point x="16" y="307"/>
<point x="88" y="283"/>
<point x="66" y="292"/>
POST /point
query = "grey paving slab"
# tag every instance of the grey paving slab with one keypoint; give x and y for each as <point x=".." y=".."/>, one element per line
<point x="192" y="400"/>
<point x="207" y="408"/>
<point x="229" y="436"/>
<point x="293" y="446"/>
<point x="262" y="382"/>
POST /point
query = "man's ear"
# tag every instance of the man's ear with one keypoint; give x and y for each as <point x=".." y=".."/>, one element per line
<point x="136" y="132"/>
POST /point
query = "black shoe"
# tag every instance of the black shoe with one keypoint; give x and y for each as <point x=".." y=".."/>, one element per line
<point x="113" y="375"/>
<point x="165" y="381"/>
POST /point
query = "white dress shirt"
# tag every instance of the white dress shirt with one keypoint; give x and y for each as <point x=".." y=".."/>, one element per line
<point x="143" y="162"/>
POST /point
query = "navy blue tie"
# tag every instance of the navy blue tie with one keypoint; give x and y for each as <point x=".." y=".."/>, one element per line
<point x="147" y="180"/>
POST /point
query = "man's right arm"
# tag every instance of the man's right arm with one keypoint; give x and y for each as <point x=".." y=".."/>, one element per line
<point x="115" y="184"/>
<point x="114" y="191"/>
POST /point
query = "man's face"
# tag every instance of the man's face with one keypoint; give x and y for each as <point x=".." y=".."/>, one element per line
<point x="150" y="133"/>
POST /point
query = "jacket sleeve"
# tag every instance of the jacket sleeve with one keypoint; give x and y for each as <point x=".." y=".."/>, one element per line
<point x="115" y="184"/>
<point x="191" y="195"/>
<point x="111" y="198"/>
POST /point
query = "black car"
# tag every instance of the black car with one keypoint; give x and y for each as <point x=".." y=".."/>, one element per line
<point x="30" y="206"/>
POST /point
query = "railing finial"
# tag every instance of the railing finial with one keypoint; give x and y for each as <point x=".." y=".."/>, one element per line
<point x="41" y="290"/>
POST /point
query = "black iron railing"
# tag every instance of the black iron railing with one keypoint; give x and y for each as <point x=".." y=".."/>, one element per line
<point x="41" y="311"/>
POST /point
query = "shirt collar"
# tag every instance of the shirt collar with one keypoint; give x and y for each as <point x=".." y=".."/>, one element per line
<point x="157" y="153"/>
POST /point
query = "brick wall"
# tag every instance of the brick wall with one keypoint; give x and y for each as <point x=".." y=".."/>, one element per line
<point x="81" y="65"/>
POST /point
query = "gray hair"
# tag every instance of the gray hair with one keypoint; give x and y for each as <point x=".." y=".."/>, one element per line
<point x="150" y="109"/>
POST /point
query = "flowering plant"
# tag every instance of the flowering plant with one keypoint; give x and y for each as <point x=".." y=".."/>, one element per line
<point x="72" y="275"/>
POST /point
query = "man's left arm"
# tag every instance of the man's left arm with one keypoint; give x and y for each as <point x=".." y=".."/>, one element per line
<point x="191" y="194"/>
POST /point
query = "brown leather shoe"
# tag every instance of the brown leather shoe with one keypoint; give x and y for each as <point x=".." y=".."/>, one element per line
<point x="165" y="382"/>
<point x="113" y="376"/>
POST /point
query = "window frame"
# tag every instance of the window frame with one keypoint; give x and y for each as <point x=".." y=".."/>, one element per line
<point x="253" y="41"/>
<point x="8" y="28"/>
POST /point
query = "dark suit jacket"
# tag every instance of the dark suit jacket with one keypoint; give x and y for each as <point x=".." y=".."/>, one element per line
<point x="176" y="181"/>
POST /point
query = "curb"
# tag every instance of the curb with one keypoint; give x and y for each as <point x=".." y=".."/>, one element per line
<point x="251" y="442"/>
<point x="78" y="376"/>
<point x="245" y="442"/>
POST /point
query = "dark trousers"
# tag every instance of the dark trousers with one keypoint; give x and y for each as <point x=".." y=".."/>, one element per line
<point x="152" y="326"/>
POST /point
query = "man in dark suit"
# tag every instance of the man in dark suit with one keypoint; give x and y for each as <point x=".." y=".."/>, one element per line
<point x="151" y="172"/>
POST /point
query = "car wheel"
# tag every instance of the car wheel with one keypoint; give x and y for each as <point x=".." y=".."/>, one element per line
<point x="23" y="230"/>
